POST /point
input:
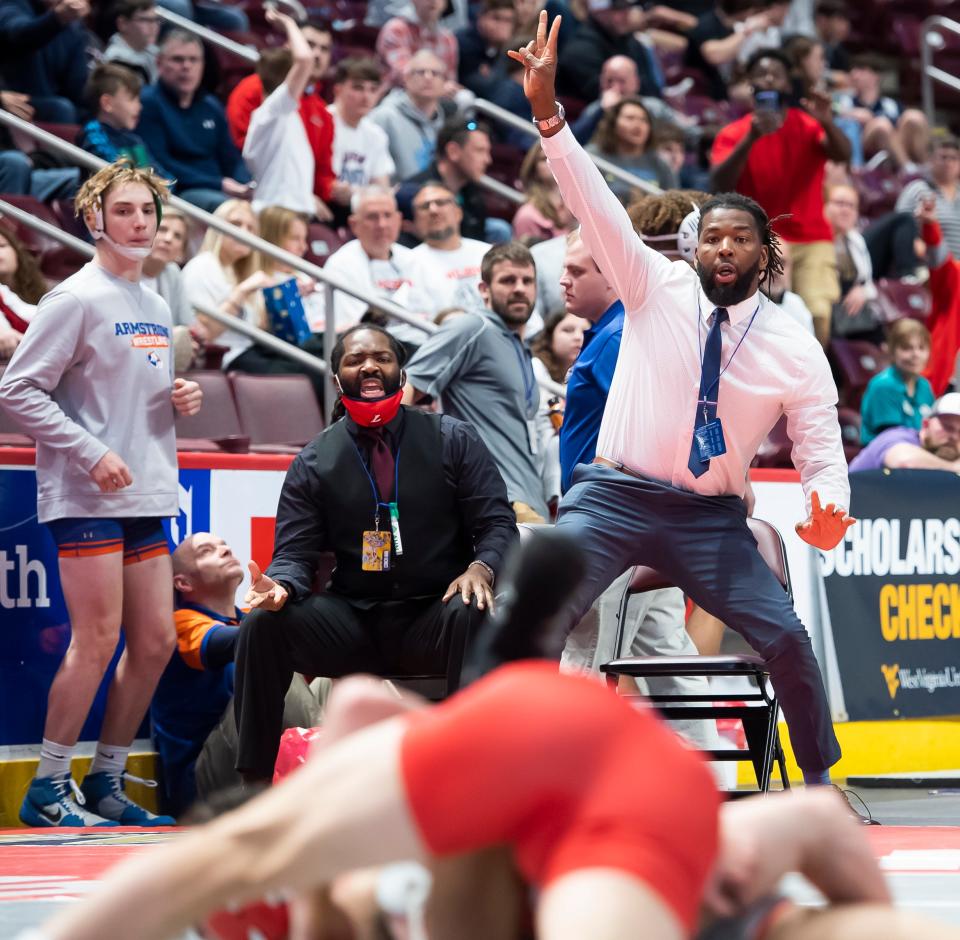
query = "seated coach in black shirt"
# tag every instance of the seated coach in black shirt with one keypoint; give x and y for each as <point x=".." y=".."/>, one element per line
<point x="416" y="514"/>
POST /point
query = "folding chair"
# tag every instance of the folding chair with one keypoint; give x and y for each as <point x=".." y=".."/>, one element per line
<point x="757" y="710"/>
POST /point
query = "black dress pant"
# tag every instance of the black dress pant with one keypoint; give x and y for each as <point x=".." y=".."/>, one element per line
<point x="329" y="635"/>
<point x="890" y="243"/>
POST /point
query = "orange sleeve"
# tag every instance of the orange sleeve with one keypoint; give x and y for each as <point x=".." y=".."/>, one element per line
<point x="192" y="627"/>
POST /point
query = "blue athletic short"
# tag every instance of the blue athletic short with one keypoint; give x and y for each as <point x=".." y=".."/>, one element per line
<point x="138" y="539"/>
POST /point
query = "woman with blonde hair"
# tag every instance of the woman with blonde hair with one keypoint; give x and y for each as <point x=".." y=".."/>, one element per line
<point x="228" y="275"/>
<point x="289" y="230"/>
<point x="225" y="274"/>
<point x="543" y="215"/>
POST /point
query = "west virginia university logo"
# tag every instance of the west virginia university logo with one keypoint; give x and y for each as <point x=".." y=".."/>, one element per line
<point x="892" y="676"/>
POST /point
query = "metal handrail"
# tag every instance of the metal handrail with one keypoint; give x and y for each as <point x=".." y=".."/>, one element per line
<point x="331" y="281"/>
<point x="239" y="326"/>
<point x="481" y="104"/>
<point x="611" y="169"/>
<point x="208" y="35"/>
<point x="928" y="71"/>
<point x="252" y="55"/>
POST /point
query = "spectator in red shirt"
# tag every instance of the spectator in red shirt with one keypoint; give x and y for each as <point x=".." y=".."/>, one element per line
<point x="400" y="38"/>
<point x="777" y="156"/>
<point x="944" y="320"/>
<point x="248" y="96"/>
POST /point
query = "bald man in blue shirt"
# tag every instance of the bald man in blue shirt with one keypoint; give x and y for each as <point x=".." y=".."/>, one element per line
<point x="587" y="294"/>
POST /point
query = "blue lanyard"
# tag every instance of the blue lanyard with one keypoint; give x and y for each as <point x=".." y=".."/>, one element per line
<point x="373" y="486"/>
<point x="526" y="370"/>
<point x="705" y="400"/>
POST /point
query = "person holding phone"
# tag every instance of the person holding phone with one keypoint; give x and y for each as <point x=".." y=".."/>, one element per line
<point x="777" y="156"/>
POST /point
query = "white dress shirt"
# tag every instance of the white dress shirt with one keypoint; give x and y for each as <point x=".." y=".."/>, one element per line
<point x="648" y="421"/>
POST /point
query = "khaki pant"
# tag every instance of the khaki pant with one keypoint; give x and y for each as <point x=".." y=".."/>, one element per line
<point x="815" y="279"/>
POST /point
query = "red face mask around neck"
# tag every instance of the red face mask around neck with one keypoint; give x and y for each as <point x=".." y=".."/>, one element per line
<point x="375" y="413"/>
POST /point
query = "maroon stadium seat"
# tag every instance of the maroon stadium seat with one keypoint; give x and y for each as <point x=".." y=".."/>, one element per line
<point x="857" y="361"/>
<point x="850" y="432"/>
<point x="10" y="435"/>
<point x="775" y="449"/>
<point x="33" y="240"/>
<point x="899" y="300"/>
<point x="66" y="132"/>
<point x="277" y="409"/>
<point x="67" y="219"/>
<point x="322" y="241"/>
<point x="216" y="425"/>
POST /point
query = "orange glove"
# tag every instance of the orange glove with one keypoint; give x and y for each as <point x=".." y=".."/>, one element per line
<point x="824" y="528"/>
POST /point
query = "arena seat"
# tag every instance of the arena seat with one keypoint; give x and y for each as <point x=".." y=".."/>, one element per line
<point x="899" y="299"/>
<point x="10" y="435"/>
<point x="276" y="409"/>
<point x="60" y="262"/>
<point x="322" y="241"/>
<point x="878" y="190"/>
<point x="776" y="448"/>
<point x="35" y="241"/>
<point x="857" y="361"/>
<point x="67" y="219"/>
<point x="216" y="426"/>
<point x="66" y="132"/>
<point x="757" y="710"/>
<point x="705" y="110"/>
<point x="850" y="432"/>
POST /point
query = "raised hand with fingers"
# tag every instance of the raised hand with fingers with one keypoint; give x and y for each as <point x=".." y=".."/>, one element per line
<point x="539" y="60"/>
<point x="264" y="592"/>
<point x="824" y="527"/>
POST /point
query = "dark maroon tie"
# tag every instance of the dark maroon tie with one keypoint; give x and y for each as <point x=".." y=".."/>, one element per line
<point x="382" y="463"/>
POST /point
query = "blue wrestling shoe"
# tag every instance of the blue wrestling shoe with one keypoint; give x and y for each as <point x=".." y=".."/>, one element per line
<point x="50" y="801"/>
<point x="104" y="793"/>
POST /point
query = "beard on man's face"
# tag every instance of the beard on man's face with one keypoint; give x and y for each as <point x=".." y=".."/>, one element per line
<point x="727" y="295"/>
<point x="510" y="311"/>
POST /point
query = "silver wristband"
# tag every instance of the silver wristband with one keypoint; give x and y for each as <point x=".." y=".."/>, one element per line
<point x="486" y="568"/>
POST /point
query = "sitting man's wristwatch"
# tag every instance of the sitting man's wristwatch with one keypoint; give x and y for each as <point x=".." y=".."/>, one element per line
<point x="550" y="122"/>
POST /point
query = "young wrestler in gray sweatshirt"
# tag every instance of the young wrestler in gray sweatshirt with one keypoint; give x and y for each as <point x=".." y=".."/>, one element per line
<point x="92" y="382"/>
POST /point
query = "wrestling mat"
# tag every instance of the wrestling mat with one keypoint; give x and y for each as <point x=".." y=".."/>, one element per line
<point x="43" y="868"/>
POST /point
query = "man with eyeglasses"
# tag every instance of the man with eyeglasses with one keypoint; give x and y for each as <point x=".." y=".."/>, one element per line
<point x="403" y="36"/>
<point x="134" y="44"/>
<point x="462" y="158"/>
<point x="186" y="129"/>
<point x="413" y="115"/>
<point x="446" y="266"/>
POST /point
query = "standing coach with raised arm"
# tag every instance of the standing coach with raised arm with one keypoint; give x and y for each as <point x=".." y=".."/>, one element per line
<point x="706" y="369"/>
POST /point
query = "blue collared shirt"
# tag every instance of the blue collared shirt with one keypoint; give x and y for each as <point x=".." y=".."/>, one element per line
<point x="587" y="388"/>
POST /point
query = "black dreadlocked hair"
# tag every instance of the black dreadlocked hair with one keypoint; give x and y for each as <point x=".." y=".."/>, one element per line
<point x="765" y="230"/>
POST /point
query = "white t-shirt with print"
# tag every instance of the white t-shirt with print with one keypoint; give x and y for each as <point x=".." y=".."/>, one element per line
<point x="444" y="279"/>
<point x="389" y="278"/>
<point x="362" y="153"/>
<point x="278" y="154"/>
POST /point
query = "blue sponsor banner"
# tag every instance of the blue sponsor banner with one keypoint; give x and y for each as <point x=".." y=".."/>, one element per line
<point x="34" y="625"/>
<point x="893" y="588"/>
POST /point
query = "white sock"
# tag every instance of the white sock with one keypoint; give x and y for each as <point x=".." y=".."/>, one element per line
<point x="109" y="759"/>
<point x="54" y="759"/>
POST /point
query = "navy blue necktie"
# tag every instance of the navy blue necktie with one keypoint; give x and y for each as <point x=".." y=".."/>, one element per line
<point x="709" y="389"/>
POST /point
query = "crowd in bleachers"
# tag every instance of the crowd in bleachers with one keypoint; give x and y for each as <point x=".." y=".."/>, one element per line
<point x="355" y="141"/>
